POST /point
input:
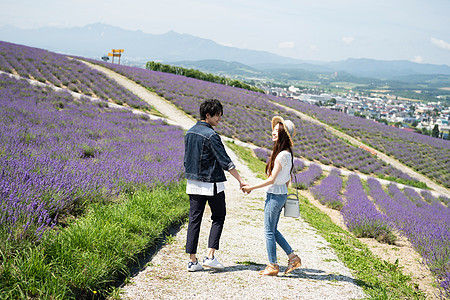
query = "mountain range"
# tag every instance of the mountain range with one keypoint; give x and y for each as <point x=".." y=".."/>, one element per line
<point x="96" y="40"/>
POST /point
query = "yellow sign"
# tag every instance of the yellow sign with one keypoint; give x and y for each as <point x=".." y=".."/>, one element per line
<point x="116" y="53"/>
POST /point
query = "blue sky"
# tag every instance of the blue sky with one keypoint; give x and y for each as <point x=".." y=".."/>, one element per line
<point x="320" y="30"/>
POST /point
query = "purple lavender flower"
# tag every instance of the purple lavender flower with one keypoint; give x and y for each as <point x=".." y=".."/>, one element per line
<point x="328" y="191"/>
<point x="57" y="151"/>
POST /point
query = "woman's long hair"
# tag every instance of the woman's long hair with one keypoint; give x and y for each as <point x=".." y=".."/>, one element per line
<point x="281" y="144"/>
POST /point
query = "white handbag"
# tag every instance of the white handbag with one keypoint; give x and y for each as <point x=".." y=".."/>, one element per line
<point x="291" y="207"/>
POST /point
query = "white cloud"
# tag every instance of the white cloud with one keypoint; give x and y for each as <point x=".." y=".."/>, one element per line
<point x="313" y="48"/>
<point x="288" y="44"/>
<point x="418" y="59"/>
<point x="440" y="43"/>
<point x="348" y="39"/>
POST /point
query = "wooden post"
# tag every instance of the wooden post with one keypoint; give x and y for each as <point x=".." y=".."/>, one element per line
<point x="116" y="53"/>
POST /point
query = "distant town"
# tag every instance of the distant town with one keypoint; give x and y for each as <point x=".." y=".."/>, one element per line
<point x="430" y="118"/>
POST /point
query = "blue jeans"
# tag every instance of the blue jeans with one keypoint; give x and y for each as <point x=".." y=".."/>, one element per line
<point x="272" y="210"/>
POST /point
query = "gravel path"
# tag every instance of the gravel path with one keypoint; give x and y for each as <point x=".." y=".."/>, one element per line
<point x="171" y="112"/>
<point x="322" y="275"/>
<point x="243" y="252"/>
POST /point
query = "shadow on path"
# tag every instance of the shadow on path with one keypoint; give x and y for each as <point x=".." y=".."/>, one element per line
<point x="300" y="273"/>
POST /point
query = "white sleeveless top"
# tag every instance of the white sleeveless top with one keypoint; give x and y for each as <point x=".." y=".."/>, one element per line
<point x="279" y="186"/>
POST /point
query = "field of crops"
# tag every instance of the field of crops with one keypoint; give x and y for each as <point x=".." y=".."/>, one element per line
<point x="55" y="152"/>
<point x="426" y="155"/>
<point x="59" y="154"/>
<point x="60" y="71"/>
<point x="247" y="117"/>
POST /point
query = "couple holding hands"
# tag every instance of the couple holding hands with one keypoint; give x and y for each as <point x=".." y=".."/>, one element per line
<point x="205" y="161"/>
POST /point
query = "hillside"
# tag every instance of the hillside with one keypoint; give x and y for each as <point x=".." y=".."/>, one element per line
<point x="303" y="177"/>
<point x="89" y="171"/>
<point x="330" y="150"/>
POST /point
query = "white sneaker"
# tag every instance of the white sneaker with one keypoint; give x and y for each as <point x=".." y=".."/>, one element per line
<point x="194" y="266"/>
<point x="212" y="263"/>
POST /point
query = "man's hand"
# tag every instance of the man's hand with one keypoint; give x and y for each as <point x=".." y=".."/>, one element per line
<point x="246" y="189"/>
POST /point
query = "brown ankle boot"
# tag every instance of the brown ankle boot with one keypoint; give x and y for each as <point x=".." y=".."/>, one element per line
<point x="270" y="270"/>
<point x="293" y="263"/>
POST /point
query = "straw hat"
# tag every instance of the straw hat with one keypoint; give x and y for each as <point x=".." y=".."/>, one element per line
<point x="288" y="125"/>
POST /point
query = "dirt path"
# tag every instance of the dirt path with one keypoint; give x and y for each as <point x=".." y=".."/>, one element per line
<point x="322" y="275"/>
<point x="171" y="112"/>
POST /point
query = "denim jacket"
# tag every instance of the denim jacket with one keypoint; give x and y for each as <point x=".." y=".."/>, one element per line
<point x="205" y="158"/>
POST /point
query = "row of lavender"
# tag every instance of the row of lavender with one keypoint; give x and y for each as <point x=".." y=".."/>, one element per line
<point x="60" y="71"/>
<point x="56" y="152"/>
<point x="423" y="219"/>
<point x="427" y="155"/>
<point x="247" y="117"/>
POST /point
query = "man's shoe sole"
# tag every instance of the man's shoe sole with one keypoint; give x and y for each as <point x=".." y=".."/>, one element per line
<point x="213" y="267"/>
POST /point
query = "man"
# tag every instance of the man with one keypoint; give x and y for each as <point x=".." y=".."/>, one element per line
<point x="205" y="160"/>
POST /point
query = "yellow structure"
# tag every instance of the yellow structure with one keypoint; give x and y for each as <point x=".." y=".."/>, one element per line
<point x="116" y="53"/>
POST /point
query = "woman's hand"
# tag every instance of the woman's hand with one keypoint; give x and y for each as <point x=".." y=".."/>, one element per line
<point x="247" y="189"/>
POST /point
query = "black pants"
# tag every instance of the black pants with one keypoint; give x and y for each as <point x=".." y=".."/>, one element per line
<point x="218" y="212"/>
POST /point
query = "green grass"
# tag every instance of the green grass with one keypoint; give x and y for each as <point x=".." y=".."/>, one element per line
<point x="86" y="258"/>
<point x="257" y="166"/>
<point x="417" y="184"/>
<point x="379" y="278"/>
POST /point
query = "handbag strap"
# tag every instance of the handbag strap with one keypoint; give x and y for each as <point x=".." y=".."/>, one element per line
<point x="295" y="179"/>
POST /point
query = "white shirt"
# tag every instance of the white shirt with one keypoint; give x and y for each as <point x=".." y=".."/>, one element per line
<point x="279" y="186"/>
<point x="195" y="187"/>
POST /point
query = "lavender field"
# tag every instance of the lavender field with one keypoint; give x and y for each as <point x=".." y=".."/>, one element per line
<point x="60" y="71"/>
<point x="247" y="117"/>
<point x="328" y="191"/>
<point x="57" y="152"/>
<point x="426" y="155"/>
<point x="426" y="225"/>
<point x="379" y="212"/>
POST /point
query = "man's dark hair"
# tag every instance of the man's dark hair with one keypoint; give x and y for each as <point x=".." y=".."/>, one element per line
<point x="212" y="107"/>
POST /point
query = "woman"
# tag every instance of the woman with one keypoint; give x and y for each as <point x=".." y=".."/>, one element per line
<point x="278" y="170"/>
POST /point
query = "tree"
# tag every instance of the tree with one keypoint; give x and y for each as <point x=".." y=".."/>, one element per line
<point x="425" y="131"/>
<point x="435" y="131"/>
<point x="382" y="120"/>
